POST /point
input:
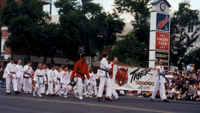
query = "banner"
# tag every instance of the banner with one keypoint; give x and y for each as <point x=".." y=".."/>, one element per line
<point x="133" y="78"/>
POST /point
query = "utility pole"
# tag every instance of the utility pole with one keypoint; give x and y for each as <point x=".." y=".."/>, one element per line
<point x="83" y="2"/>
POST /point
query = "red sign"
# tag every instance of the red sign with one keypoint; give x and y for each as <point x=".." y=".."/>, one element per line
<point x="162" y="41"/>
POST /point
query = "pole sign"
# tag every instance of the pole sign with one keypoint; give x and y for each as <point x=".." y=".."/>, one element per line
<point x="162" y="22"/>
<point x="162" y="41"/>
<point x="159" y="33"/>
<point x="161" y="55"/>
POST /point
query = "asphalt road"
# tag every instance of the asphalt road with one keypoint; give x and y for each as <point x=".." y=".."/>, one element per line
<point x="26" y="103"/>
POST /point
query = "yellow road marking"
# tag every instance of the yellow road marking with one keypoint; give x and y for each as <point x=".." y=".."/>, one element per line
<point x="88" y="104"/>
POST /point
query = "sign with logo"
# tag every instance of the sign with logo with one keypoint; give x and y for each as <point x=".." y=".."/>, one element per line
<point x="161" y="55"/>
<point x="133" y="78"/>
<point x="162" y="41"/>
<point x="190" y="67"/>
<point x="162" y="22"/>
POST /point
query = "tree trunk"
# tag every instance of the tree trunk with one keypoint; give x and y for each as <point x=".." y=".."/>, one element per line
<point x="28" y="54"/>
<point x="45" y="57"/>
<point x="52" y="60"/>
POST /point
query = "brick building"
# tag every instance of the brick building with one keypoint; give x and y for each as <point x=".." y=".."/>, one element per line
<point x="5" y="51"/>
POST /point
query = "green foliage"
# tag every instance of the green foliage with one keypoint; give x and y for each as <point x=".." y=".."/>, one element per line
<point x="128" y="51"/>
<point x="141" y="12"/>
<point x="86" y="19"/>
<point x="180" y="39"/>
<point x="193" y="57"/>
<point x="24" y="22"/>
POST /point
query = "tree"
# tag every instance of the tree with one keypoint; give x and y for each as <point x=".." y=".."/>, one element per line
<point x="141" y="12"/>
<point x="193" y="57"/>
<point x="86" y="22"/>
<point x="181" y="40"/>
<point x="128" y="51"/>
<point x="22" y="22"/>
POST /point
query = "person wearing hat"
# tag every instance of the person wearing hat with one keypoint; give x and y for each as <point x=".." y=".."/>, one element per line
<point x="80" y="69"/>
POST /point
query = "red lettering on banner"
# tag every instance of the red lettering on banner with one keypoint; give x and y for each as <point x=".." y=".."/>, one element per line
<point x="162" y="23"/>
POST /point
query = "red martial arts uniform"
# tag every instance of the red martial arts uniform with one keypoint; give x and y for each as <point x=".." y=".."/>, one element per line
<point x="111" y="71"/>
<point x="80" y="68"/>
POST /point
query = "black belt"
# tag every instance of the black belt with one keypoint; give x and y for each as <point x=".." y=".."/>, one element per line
<point x="40" y="76"/>
<point x="25" y="77"/>
<point x="58" y="79"/>
<point x="81" y="74"/>
<point x="163" y="75"/>
<point x="107" y="73"/>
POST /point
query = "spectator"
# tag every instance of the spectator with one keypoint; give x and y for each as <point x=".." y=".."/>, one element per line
<point x="190" y="93"/>
<point x="183" y="92"/>
<point x="187" y="77"/>
<point x="196" y="85"/>
<point x="197" y="95"/>
<point x="176" y="93"/>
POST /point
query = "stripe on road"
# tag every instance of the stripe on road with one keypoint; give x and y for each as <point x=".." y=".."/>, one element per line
<point x="87" y="104"/>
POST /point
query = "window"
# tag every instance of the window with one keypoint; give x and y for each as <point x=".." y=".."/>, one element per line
<point x="3" y="40"/>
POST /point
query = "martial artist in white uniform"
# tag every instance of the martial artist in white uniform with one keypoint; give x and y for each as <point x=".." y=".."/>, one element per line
<point x="11" y="76"/>
<point x="65" y="80"/>
<point x="58" y="82"/>
<point x="39" y="79"/>
<point x="160" y="83"/>
<point x="46" y="71"/>
<point x="85" y="85"/>
<point x="20" y="74"/>
<point x="51" y="80"/>
<point x="92" y="85"/>
<point x="27" y="78"/>
<point x="105" y="79"/>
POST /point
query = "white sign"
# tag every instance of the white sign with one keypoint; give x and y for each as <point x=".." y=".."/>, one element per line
<point x="89" y="61"/>
<point x="133" y="78"/>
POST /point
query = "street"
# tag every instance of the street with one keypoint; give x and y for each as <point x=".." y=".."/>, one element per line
<point x="26" y="103"/>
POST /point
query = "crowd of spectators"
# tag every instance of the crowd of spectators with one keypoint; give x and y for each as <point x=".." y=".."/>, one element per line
<point x="180" y="85"/>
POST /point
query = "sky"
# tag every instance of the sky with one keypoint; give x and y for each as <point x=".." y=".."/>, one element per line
<point x="108" y="6"/>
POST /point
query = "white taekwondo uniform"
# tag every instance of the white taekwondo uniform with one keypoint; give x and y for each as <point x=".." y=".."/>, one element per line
<point x="105" y="79"/>
<point x="51" y="80"/>
<point x="39" y="78"/>
<point x="159" y="83"/>
<point x="20" y="74"/>
<point x="65" y="80"/>
<point x="93" y="84"/>
<point x="58" y="85"/>
<point x="27" y="79"/>
<point x="11" y="70"/>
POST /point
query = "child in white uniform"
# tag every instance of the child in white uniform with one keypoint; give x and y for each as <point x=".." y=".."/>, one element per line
<point x="39" y="79"/>
<point x="65" y="80"/>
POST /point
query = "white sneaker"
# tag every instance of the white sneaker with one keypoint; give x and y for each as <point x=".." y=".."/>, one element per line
<point x="90" y="96"/>
<point x="87" y="96"/>
<point x="27" y="92"/>
<point x="30" y="92"/>
<point x="40" y="96"/>
<point x="34" y="94"/>
<point x="116" y="97"/>
<point x="60" y="95"/>
<point x="65" y="96"/>
<point x="81" y="98"/>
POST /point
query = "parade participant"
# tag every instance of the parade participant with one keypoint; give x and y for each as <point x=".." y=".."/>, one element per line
<point x="11" y="76"/>
<point x="85" y="85"/>
<point x="65" y="80"/>
<point x="160" y="82"/>
<point x="44" y="67"/>
<point x="27" y="78"/>
<point x="51" y="79"/>
<point x="113" y="92"/>
<point x="39" y="79"/>
<point x="80" y="68"/>
<point x="19" y="73"/>
<point x="92" y="84"/>
<point x="105" y="79"/>
<point x="58" y="81"/>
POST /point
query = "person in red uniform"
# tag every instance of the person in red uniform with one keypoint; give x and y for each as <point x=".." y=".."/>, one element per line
<point x="113" y="92"/>
<point x="80" y="69"/>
